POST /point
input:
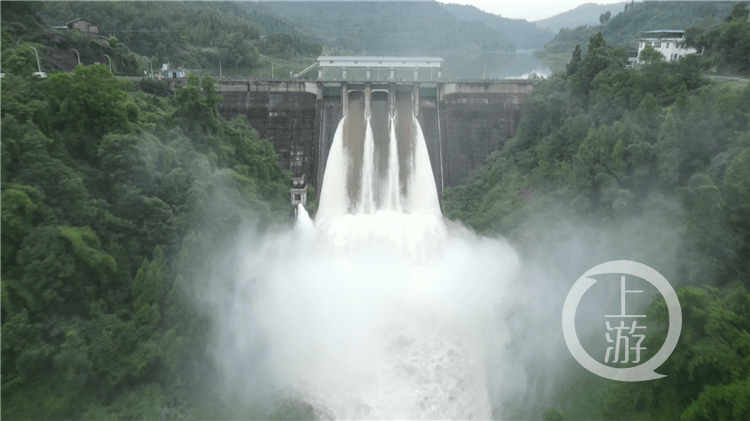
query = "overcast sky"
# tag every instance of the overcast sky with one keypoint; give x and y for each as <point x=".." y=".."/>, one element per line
<point x="527" y="9"/>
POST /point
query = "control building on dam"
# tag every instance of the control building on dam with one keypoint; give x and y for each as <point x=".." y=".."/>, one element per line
<point x="463" y="121"/>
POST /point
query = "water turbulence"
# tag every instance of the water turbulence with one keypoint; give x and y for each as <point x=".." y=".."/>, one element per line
<point x="380" y="309"/>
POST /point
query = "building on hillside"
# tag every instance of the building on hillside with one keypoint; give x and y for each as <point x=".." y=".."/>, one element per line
<point x="299" y="190"/>
<point x="177" y="73"/>
<point x="83" y="25"/>
<point x="390" y="69"/>
<point x="632" y="56"/>
<point x="669" y="42"/>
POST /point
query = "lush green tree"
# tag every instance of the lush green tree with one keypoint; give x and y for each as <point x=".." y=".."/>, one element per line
<point x="114" y="203"/>
<point x="197" y="104"/>
<point x="575" y="61"/>
<point x="649" y="55"/>
<point x="724" y="402"/>
<point x="87" y="104"/>
<point x="238" y="51"/>
<point x="611" y="146"/>
<point x="624" y="29"/>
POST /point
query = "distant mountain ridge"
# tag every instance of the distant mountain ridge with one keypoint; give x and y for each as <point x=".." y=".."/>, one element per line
<point x="399" y="27"/>
<point x="585" y="14"/>
<point x="525" y="35"/>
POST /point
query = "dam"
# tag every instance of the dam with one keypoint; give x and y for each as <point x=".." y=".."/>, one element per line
<point x="376" y="308"/>
<point x="463" y="122"/>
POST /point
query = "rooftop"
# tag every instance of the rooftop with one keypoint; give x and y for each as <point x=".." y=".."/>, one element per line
<point x="663" y="33"/>
<point x="76" y="20"/>
<point x="663" y="30"/>
<point x="375" y="61"/>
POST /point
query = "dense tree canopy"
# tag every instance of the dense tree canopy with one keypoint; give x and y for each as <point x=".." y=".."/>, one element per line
<point x="396" y="28"/>
<point x="624" y="29"/>
<point x="111" y="200"/>
<point x="614" y="146"/>
<point x="726" y="45"/>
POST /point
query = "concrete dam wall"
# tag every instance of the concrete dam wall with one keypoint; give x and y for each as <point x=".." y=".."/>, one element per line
<point x="462" y="122"/>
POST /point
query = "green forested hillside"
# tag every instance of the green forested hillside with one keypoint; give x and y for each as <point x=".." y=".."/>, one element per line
<point x="389" y="28"/>
<point x="625" y="28"/>
<point x="189" y="34"/>
<point x="111" y="202"/>
<point x="524" y="35"/>
<point x="585" y="14"/>
<point x="611" y="148"/>
<point x="22" y="28"/>
<point x="726" y="46"/>
<point x="115" y="201"/>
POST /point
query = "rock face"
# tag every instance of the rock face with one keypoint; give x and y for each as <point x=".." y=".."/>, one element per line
<point x="462" y="122"/>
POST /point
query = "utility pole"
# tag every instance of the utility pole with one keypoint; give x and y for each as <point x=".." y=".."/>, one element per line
<point x="271" y="70"/>
<point x="38" y="66"/>
<point x="79" y="55"/>
<point x="220" y="74"/>
<point x="109" y="59"/>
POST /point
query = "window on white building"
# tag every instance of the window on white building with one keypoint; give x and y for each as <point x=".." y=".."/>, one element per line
<point x="657" y="45"/>
<point x="667" y="46"/>
<point x="648" y="43"/>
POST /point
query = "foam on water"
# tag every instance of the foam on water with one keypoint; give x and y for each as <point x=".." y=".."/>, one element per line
<point x="388" y="312"/>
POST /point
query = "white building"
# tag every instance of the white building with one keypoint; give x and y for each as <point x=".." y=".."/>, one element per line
<point x="391" y="69"/>
<point x="670" y="43"/>
<point x="178" y="73"/>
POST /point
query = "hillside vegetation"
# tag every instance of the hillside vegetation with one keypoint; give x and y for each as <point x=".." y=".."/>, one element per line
<point x="524" y="35"/>
<point x="586" y="14"/>
<point x="661" y="156"/>
<point x="389" y="28"/>
<point x="56" y="47"/>
<point x="190" y="34"/>
<point x="113" y="203"/>
<point x="624" y="29"/>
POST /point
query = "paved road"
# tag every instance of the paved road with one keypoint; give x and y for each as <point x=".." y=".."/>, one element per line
<point x="731" y="78"/>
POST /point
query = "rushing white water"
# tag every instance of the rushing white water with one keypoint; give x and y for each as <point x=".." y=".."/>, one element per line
<point x="332" y="201"/>
<point x="384" y="312"/>
<point x="393" y="188"/>
<point x="422" y="189"/>
<point x="366" y="198"/>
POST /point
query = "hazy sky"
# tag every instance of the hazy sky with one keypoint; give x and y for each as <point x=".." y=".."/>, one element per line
<point x="527" y="9"/>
